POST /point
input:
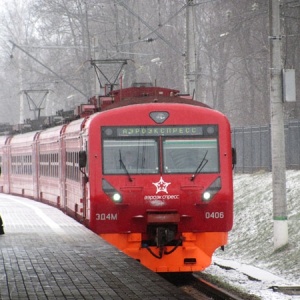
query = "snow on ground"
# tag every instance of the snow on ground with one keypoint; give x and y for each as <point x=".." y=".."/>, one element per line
<point x="250" y="260"/>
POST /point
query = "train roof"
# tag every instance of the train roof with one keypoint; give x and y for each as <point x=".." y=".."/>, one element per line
<point x="24" y="137"/>
<point x="155" y="99"/>
<point x="139" y="93"/>
<point x="3" y="139"/>
<point x="76" y="126"/>
<point x="51" y="132"/>
<point x="145" y="93"/>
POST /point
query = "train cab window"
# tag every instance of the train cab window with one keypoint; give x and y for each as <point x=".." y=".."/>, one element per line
<point x="132" y="156"/>
<point x="190" y="155"/>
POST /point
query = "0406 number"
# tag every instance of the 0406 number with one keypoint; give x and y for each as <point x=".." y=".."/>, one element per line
<point x="214" y="215"/>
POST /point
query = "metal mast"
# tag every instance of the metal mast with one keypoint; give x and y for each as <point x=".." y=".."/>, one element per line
<point x="277" y="129"/>
<point x="191" y="59"/>
<point x="35" y="105"/>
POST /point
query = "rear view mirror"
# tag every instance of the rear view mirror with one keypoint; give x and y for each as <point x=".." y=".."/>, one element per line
<point x="234" y="160"/>
<point x="82" y="159"/>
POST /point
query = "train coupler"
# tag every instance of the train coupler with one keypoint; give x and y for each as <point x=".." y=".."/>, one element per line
<point x="163" y="236"/>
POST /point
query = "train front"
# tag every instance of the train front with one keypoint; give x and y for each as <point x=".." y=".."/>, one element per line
<point x="160" y="179"/>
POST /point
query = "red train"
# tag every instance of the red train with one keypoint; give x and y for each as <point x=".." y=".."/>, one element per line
<point x="151" y="173"/>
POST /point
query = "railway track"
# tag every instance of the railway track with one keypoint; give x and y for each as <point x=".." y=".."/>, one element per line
<point x="200" y="289"/>
<point x="215" y="292"/>
<point x="288" y="290"/>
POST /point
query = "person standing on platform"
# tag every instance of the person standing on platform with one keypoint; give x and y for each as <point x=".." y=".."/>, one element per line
<point x="1" y="222"/>
<point x="1" y="226"/>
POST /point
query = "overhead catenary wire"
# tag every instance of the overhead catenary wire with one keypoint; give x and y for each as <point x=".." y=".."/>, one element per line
<point x="50" y="70"/>
<point x="121" y="2"/>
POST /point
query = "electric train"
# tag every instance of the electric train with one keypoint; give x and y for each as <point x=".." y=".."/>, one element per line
<point x="149" y="170"/>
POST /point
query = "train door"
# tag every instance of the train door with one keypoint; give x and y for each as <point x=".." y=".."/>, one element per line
<point x="83" y="165"/>
<point x="35" y="166"/>
<point x="6" y="161"/>
<point x="62" y="170"/>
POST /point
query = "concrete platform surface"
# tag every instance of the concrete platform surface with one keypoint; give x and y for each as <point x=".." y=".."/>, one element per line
<point x="44" y="254"/>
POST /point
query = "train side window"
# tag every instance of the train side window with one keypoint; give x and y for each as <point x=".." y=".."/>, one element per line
<point x="72" y="166"/>
<point x="19" y="164"/>
<point x="48" y="166"/>
<point x="76" y="166"/>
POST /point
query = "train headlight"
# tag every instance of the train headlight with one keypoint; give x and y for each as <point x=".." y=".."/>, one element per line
<point x="110" y="191"/>
<point x="212" y="190"/>
<point x="117" y="197"/>
<point x="206" y="196"/>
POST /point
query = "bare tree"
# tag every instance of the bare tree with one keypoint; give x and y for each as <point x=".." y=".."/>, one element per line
<point x="231" y="43"/>
<point x="234" y="58"/>
<point x="18" y="25"/>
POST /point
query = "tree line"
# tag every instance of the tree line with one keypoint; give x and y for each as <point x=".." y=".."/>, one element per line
<point x="232" y="52"/>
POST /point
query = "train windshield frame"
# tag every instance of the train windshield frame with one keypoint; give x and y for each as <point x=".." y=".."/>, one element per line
<point x="160" y="149"/>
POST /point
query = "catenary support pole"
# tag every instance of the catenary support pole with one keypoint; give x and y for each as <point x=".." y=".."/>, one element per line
<point x="277" y="129"/>
<point x="190" y="56"/>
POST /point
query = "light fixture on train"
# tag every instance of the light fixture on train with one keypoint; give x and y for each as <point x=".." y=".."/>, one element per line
<point x="117" y="197"/>
<point x="211" y="130"/>
<point x="212" y="190"/>
<point x="206" y="196"/>
<point x="159" y="117"/>
<point x="110" y="191"/>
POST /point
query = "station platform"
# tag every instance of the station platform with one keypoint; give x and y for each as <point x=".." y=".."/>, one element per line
<point x="44" y="254"/>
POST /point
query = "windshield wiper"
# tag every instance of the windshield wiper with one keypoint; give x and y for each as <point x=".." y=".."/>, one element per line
<point x="123" y="166"/>
<point x="202" y="164"/>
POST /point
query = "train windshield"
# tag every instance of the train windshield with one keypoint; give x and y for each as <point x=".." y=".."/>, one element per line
<point x="190" y="155"/>
<point x="133" y="156"/>
<point x="160" y="149"/>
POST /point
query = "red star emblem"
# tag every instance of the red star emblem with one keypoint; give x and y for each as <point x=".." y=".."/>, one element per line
<point x="161" y="185"/>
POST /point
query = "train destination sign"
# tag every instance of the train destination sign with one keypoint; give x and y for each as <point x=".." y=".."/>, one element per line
<point x="135" y="131"/>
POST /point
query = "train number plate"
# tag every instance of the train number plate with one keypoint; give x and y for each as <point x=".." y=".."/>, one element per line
<point x="214" y="215"/>
<point x="106" y="217"/>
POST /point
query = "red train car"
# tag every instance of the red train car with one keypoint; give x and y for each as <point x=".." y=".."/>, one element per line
<point x="151" y="173"/>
